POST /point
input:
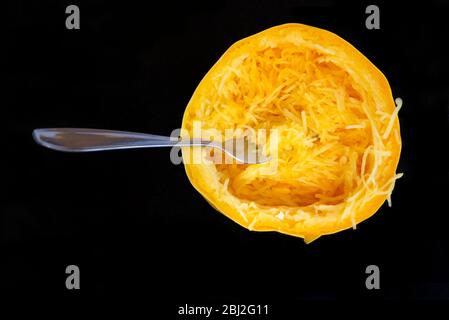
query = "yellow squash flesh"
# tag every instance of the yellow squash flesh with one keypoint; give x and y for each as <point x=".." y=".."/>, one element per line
<point x="339" y="139"/>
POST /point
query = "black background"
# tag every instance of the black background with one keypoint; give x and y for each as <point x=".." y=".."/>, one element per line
<point x="131" y="220"/>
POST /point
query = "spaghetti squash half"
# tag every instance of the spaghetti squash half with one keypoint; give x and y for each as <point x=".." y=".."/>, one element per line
<point x="337" y="133"/>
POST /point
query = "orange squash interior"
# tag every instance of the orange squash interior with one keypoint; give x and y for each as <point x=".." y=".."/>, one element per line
<point x="338" y="139"/>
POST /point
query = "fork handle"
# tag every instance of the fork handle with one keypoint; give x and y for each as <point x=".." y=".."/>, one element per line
<point x="85" y="140"/>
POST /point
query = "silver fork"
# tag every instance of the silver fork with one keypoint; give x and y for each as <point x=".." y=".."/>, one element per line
<point x="85" y="140"/>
